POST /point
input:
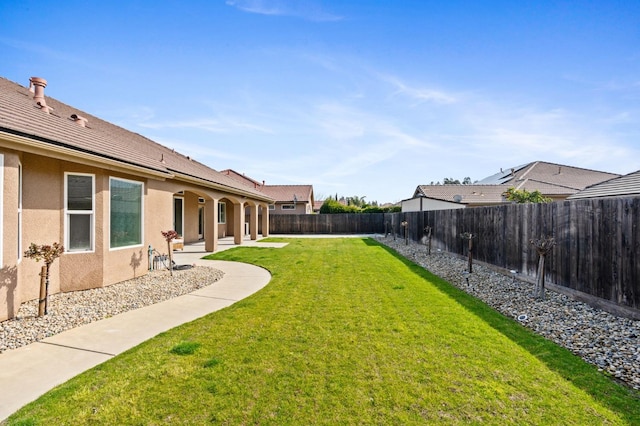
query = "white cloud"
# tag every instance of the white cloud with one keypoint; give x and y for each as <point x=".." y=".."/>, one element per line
<point x="420" y="94"/>
<point x="202" y="153"/>
<point x="218" y="125"/>
<point x="305" y="9"/>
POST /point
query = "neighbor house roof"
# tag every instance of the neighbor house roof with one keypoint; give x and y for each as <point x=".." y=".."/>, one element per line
<point x="627" y="185"/>
<point x="552" y="180"/>
<point x="54" y="129"/>
<point x="465" y="194"/>
<point x="289" y="193"/>
<point x="280" y="193"/>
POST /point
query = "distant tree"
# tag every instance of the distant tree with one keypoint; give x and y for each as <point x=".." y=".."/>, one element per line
<point x="522" y="196"/>
<point x="356" y="201"/>
<point x="331" y="206"/>
<point x="393" y="209"/>
<point x="373" y="209"/>
<point x="466" y="181"/>
<point x="451" y="181"/>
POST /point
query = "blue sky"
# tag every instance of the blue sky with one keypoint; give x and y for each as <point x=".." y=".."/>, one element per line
<point x="368" y="98"/>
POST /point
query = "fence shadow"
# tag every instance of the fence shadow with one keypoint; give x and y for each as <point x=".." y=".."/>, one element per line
<point x="560" y="360"/>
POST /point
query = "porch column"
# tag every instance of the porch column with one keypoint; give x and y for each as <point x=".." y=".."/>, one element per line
<point x="253" y="221"/>
<point x="238" y="222"/>
<point x="211" y="225"/>
<point x="265" y="221"/>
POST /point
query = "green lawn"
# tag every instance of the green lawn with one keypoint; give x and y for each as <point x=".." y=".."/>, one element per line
<point x="346" y="333"/>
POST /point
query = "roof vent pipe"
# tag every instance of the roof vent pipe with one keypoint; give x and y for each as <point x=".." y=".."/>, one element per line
<point x="82" y="122"/>
<point x="37" y="85"/>
<point x="44" y="107"/>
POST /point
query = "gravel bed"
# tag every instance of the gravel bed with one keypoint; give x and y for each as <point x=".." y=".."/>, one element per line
<point x="607" y="341"/>
<point x="69" y="310"/>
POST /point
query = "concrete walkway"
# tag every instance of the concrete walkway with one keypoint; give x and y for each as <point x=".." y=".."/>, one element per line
<point x="30" y="371"/>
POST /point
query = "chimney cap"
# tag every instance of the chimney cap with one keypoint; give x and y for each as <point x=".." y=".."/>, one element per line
<point x="38" y="80"/>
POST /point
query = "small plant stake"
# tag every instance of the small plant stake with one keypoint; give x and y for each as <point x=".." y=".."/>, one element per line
<point x="170" y="236"/>
<point x="469" y="236"/>
<point x="48" y="253"/>
<point x="543" y="246"/>
<point x="427" y="234"/>
<point x="405" y="227"/>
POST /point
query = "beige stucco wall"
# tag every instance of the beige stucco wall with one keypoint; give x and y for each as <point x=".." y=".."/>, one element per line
<point x="43" y="222"/>
<point x="42" y="219"/>
<point x="9" y="270"/>
<point x="190" y="217"/>
<point x="301" y="208"/>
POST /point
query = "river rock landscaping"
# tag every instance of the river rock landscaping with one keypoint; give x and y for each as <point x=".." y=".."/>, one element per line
<point x="72" y="309"/>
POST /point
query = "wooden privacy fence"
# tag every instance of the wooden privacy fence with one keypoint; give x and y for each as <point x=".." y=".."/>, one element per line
<point x="345" y="223"/>
<point x="598" y="241"/>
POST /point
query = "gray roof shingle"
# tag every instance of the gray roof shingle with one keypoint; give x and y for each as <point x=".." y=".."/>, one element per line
<point x="627" y="185"/>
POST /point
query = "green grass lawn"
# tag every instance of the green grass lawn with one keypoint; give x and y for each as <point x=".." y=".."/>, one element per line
<point x="346" y="333"/>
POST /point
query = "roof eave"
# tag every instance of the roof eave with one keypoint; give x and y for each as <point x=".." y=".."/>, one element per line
<point x="220" y="187"/>
<point x="41" y="146"/>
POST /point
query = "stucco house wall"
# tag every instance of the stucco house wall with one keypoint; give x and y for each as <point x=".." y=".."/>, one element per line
<point x="40" y="155"/>
<point x="298" y="208"/>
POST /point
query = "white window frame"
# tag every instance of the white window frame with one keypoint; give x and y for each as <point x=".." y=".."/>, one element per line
<point x="272" y="206"/>
<point x="287" y="207"/>
<point x="68" y="213"/>
<point x="222" y="212"/>
<point x="111" y="179"/>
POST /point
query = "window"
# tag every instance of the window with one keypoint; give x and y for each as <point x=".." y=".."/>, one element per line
<point x="222" y="212"/>
<point x="178" y="215"/>
<point x="125" y="213"/>
<point x="272" y="206"/>
<point x="288" y="207"/>
<point x="79" y="206"/>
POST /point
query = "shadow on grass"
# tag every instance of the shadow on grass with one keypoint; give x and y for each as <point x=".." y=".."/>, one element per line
<point x="605" y="390"/>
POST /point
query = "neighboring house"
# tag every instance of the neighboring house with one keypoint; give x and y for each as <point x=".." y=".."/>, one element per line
<point x="288" y="199"/>
<point x="554" y="181"/>
<point x="317" y="205"/>
<point x="104" y="192"/>
<point x="622" y="186"/>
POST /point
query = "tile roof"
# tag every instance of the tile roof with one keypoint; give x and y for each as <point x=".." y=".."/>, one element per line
<point x="540" y="172"/>
<point x="289" y="193"/>
<point x="21" y="116"/>
<point x="552" y="180"/>
<point x="242" y="178"/>
<point x="469" y="194"/>
<point x="280" y="193"/>
<point x="627" y="185"/>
